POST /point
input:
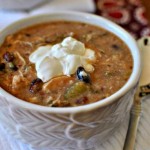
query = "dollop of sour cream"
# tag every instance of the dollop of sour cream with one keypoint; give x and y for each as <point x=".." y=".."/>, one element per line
<point x="62" y="59"/>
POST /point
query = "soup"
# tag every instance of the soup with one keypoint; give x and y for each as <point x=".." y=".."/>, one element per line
<point x="49" y="84"/>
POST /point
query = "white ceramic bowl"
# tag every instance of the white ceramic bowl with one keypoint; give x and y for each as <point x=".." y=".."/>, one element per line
<point x="69" y="128"/>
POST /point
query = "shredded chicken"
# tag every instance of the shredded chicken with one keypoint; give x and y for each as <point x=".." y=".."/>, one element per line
<point x="20" y="58"/>
<point x="20" y="72"/>
<point x="16" y="80"/>
<point x="23" y="42"/>
<point x="61" y="80"/>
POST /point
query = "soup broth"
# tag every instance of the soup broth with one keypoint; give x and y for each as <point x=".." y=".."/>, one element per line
<point x="112" y="66"/>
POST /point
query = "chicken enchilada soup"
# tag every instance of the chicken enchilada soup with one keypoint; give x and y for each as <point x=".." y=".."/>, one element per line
<point x="62" y="64"/>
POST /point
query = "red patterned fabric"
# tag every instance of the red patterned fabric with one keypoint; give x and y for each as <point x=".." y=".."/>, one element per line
<point x="130" y="14"/>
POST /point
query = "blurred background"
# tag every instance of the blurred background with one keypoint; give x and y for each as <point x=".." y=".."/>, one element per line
<point x="133" y="15"/>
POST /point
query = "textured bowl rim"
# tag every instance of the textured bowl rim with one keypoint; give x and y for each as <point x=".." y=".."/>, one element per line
<point x="108" y="25"/>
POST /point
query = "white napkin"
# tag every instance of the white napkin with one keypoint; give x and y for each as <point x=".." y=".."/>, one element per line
<point x="9" y="16"/>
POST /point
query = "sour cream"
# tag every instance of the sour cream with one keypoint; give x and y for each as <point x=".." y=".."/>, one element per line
<point x="62" y="59"/>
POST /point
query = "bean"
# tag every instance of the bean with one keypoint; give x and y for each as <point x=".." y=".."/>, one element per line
<point x="27" y="34"/>
<point x="82" y="100"/>
<point x="8" y="57"/>
<point x="116" y="47"/>
<point x="9" y="45"/>
<point x="82" y="75"/>
<point x="2" y="66"/>
<point x="35" y="85"/>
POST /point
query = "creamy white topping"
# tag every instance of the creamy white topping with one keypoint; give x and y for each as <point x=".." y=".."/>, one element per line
<point x="62" y="59"/>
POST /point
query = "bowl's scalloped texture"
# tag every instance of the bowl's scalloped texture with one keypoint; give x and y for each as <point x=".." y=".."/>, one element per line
<point x="79" y="130"/>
